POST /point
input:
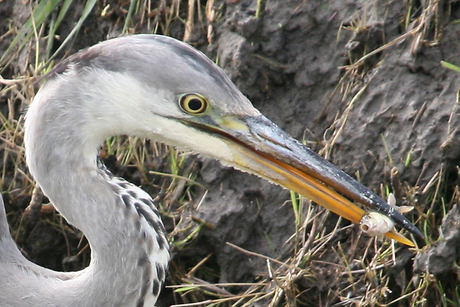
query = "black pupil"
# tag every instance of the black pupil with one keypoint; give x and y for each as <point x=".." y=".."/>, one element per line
<point x="195" y="104"/>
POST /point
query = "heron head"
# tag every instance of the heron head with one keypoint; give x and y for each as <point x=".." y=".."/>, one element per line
<point x="161" y="88"/>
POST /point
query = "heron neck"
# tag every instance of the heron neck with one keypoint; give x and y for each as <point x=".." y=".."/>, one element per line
<point x="127" y="259"/>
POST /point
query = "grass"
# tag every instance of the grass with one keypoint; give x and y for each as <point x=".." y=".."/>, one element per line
<point x="356" y="271"/>
<point x="42" y="13"/>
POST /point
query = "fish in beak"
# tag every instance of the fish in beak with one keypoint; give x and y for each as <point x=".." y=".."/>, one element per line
<point x="260" y="147"/>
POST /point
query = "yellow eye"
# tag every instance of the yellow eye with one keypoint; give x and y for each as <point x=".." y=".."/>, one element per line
<point x="193" y="103"/>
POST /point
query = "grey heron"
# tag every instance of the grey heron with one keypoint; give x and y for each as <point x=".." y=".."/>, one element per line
<point x="155" y="87"/>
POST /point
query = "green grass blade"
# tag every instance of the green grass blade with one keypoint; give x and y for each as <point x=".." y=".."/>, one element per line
<point x="54" y="25"/>
<point x="88" y="8"/>
<point x="450" y="66"/>
<point x="39" y="14"/>
<point x="132" y="5"/>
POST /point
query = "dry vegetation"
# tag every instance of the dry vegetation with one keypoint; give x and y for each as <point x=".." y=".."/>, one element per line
<point x="363" y="264"/>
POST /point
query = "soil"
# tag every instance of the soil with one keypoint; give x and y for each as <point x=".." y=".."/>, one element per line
<point x="295" y="63"/>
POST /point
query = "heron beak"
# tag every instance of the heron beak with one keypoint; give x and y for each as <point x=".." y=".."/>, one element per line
<point x="260" y="147"/>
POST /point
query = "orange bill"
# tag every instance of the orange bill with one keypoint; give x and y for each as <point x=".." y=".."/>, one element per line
<point x="260" y="147"/>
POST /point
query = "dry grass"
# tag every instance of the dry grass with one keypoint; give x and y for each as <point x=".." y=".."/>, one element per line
<point x="360" y="268"/>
